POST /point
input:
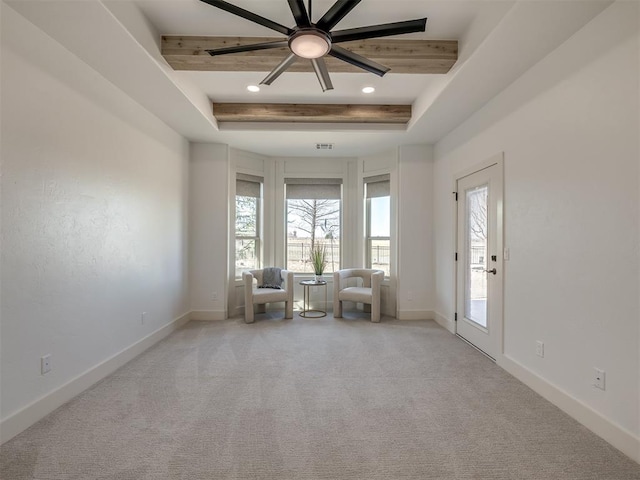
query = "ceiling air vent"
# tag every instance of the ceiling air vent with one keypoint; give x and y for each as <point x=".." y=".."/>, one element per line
<point x="324" y="146"/>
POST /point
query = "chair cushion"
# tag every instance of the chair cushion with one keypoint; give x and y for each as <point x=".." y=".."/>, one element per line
<point x="267" y="295"/>
<point x="355" y="294"/>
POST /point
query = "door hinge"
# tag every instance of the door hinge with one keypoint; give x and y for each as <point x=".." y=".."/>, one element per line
<point x="456" y="194"/>
<point x="456" y="256"/>
<point x="455" y="317"/>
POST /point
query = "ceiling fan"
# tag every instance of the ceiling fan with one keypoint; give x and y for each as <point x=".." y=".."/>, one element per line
<point x="315" y="40"/>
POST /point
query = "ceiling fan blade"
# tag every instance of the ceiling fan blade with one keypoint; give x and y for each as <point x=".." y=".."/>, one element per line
<point x="247" y="48"/>
<point x="336" y="13"/>
<point x="358" y="60"/>
<point x="377" y="31"/>
<point x="300" y="13"/>
<point x="241" y="12"/>
<point x="322" y="73"/>
<point x="279" y="70"/>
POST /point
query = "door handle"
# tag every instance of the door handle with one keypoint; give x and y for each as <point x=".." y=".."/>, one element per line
<point x="493" y="270"/>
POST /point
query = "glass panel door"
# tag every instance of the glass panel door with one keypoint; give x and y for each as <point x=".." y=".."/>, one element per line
<point x="479" y="263"/>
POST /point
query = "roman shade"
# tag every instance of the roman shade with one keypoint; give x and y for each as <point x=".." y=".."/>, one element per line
<point x="378" y="186"/>
<point x="248" y="185"/>
<point x="313" y="188"/>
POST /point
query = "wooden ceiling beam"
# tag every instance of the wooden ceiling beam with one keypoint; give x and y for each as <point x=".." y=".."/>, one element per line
<point x="402" y="56"/>
<point x="311" y="113"/>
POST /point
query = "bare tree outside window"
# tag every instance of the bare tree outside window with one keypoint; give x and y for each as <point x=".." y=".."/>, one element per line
<point x="247" y="234"/>
<point x="246" y="215"/>
<point x="311" y="222"/>
<point x="478" y="216"/>
<point x="478" y="223"/>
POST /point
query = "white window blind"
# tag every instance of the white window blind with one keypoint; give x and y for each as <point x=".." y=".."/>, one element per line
<point x="248" y="185"/>
<point x="378" y="186"/>
<point x="313" y="188"/>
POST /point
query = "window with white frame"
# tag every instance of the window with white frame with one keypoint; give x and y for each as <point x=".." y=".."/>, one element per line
<point x="313" y="219"/>
<point x="248" y="222"/>
<point x="378" y="222"/>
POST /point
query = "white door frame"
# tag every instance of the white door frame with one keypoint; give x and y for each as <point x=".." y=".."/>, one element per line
<point x="497" y="160"/>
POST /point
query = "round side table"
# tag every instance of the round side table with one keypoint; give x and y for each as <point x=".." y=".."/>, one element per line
<point x="306" y="302"/>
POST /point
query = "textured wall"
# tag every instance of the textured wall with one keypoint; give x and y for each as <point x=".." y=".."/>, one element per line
<point x="93" y="217"/>
<point x="208" y="230"/>
<point x="415" y="225"/>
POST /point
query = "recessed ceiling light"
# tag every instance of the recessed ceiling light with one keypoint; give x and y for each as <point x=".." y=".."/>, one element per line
<point x="253" y="88"/>
<point x="368" y="90"/>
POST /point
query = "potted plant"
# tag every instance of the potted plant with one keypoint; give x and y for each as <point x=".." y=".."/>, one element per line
<point x="318" y="257"/>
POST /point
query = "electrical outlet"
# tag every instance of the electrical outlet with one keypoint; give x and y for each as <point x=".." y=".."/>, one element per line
<point x="143" y="318"/>
<point x="214" y="296"/>
<point x="410" y="295"/>
<point x="599" y="377"/>
<point x="45" y="364"/>
<point x="540" y="349"/>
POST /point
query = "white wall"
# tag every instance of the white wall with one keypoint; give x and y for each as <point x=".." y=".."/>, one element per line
<point x="208" y="230"/>
<point x="94" y="225"/>
<point x="416" y="276"/>
<point x="569" y="132"/>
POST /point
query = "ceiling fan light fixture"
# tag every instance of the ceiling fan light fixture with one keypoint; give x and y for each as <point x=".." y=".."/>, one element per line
<point x="310" y="43"/>
<point x="313" y="41"/>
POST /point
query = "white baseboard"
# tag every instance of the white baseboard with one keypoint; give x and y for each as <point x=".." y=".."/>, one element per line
<point x="622" y="439"/>
<point x="208" y="315"/>
<point x="415" y="315"/>
<point x="27" y="416"/>
<point x="444" y="322"/>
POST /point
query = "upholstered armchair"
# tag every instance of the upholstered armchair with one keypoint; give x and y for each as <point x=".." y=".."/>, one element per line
<point x="367" y="290"/>
<point x="261" y="296"/>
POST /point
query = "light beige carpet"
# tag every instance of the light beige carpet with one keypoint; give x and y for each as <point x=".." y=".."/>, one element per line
<point x="311" y="399"/>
